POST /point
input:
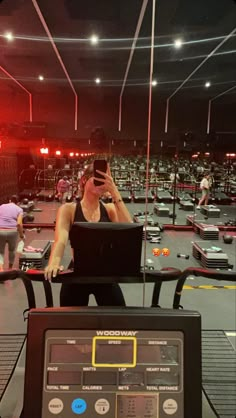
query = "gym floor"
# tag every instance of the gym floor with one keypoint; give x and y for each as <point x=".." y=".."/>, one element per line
<point x="217" y="306"/>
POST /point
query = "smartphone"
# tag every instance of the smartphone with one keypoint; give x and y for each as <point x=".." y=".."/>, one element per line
<point x="100" y="165"/>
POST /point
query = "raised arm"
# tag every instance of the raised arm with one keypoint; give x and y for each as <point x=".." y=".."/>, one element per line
<point x="117" y="210"/>
<point x="63" y="223"/>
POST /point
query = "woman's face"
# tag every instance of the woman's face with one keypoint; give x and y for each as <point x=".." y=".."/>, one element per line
<point x="91" y="188"/>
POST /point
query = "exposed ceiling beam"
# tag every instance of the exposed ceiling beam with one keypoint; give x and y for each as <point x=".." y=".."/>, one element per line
<point x="136" y="35"/>
<point x="226" y="38"/>
<point x="210" y="107"/>
<point x="223" y="93"/>
<point x="46" y="28"/>
<point x="23" y="88"/>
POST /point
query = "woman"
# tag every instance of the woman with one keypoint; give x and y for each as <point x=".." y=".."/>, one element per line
<point x="89" y="209"/>
<point x="11" y="216"/>
<point x="205" y="188"/>
<point x="63" y="188"/>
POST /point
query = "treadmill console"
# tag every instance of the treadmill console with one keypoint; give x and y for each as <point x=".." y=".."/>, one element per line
<point x="119" y="374"/>
<point x="116" y="363"/>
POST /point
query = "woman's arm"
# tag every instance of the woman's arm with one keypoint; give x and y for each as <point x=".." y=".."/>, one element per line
<point x="117" y="210"/>
<point x="20" y="225"/>
<point x="63" y="223"/>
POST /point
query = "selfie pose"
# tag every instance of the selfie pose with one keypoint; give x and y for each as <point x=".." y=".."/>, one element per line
<point x="95" y="181"/>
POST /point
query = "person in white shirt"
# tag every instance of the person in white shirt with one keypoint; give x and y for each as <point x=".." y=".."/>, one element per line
<point x="205" y="188"/>
<point x="172" y="177"/>
<point x="63" y="188"/>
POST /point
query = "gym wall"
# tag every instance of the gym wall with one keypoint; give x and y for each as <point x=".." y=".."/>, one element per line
<point x="57" y="112"/>
<point x="9" y="178"/>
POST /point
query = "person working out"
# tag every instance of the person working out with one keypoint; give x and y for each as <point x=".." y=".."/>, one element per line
<point x="63" y="188"/>
<point x="205" y="188"/>
<point x="89" y="209"/>
<point x="11" y="216"/>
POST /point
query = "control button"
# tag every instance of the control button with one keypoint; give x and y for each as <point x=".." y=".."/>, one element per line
<point x="55" y="406"/>
<point x="79" y="406"/>
<point x="102" y="406"/>
<point x="170" y="406"/>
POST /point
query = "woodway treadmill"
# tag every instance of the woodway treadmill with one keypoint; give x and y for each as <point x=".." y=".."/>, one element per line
<point x="144" y="362"/>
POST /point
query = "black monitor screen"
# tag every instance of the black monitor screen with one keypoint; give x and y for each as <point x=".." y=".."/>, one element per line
<point x="106" y="248"/>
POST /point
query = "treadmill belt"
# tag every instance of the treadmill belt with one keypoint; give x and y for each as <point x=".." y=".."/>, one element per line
<point x="10" y="348"/>
<point x="219" y="373"/>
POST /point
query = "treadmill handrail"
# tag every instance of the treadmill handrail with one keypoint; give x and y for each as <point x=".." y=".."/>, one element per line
<point x="70" y="276"/>
<point x="17" y="274"/>
<point x="199" y="272"/>
<point x="27" y="277"/>
<point x="155" y="276"/>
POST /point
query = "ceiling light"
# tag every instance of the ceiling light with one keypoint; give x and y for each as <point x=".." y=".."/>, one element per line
<point x="97" y="80"/>
<point x="43" y="150"/>
<point x="178" y="43"/>
<point x="94" y="39"/>
<point x="154" y="83"/>
<point x="9" y="36"/>
<point x="41" y="77"/>
<point x="207" y="84"/>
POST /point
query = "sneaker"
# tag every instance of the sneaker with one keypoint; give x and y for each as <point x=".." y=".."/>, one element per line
<point x="198" y="207"/>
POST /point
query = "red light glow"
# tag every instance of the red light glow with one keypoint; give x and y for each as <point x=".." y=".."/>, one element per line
<point x="43" y="150"/>
<point x="71" y="154"/>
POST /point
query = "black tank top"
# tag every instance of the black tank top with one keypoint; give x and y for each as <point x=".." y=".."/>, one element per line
<point x="79" y="216"/>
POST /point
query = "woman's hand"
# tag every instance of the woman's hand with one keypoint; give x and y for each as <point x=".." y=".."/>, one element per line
<point x="108" y="184"/>
<point x="117" y="210"/>
<point x="52" y="270"/>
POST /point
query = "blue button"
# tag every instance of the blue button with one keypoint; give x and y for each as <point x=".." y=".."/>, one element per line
<point x="78" y="406"/>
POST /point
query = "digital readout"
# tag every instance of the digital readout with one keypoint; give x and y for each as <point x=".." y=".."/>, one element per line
<point x="131" y="378"/>
<point x="163" y="378"/>
<point x="106" y="353"/>
<point x="71" y="353"/>
<point x="157" y="354"/>
<point x="122" y="353"/>
<point x="64" y="378"/>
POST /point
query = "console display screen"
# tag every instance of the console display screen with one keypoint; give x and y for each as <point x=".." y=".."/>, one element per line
<point x="114" y="354"/>
<point x="162" y="378"/>
<point x="64" y="378"/>
<point x="157" y="354"/>
<point x="71" y="353"/>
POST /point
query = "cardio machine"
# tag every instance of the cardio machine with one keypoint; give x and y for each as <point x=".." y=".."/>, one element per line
<point x="115" y="362"/>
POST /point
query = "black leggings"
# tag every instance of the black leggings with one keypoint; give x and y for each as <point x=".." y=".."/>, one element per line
<point x="77" y="294"/>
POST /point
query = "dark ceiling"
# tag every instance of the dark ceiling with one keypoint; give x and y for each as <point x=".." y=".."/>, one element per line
<point x="201" y="24"/>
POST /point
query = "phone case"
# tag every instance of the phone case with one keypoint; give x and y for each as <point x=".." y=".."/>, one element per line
<point x="102" y="166"/>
